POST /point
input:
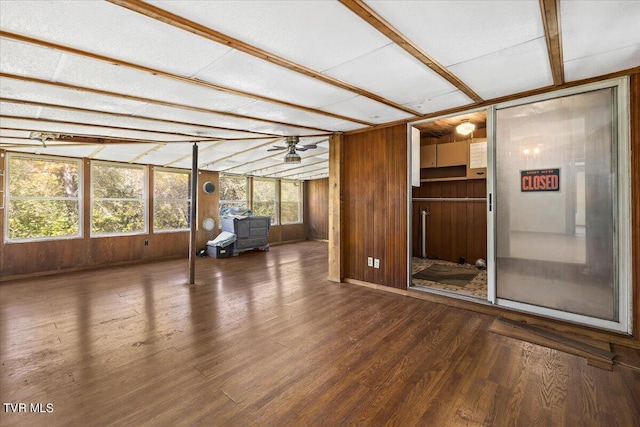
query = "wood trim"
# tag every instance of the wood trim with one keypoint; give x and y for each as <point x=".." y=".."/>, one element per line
<point x="128" y="116"/>
<point x="210" y="34"/>
<point x="360" y="8"/>
<point x="634" y="118"/>
<point x="507" y="98"/>
<point x="152" y="101"/>
<point x="335" y="208"/>
<point x="190" y="80"/>
<point x="550" y="10"/>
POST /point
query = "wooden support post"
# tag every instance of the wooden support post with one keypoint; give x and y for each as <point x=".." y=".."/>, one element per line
<point x="194" y="215"/>
<point x="335" y="206"/>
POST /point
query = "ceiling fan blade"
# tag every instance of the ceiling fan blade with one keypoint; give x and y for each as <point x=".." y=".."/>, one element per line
<point x="310" y="146"/>
<point x="276" y="148"/>
<point x="300" y="149"/>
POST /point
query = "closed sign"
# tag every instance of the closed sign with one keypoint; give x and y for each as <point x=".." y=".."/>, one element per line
<point x="540" y="180"/>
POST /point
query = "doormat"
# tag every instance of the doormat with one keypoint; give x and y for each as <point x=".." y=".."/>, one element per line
<point x="449" y="275"/>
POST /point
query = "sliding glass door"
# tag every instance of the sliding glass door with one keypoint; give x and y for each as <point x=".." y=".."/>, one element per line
<point x="560" y="234"/>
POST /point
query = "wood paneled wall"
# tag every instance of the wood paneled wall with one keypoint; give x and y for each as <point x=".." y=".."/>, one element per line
<point x="374" y="206"/>
<point x="316" y="209"/>
<point x="454" y="229"/>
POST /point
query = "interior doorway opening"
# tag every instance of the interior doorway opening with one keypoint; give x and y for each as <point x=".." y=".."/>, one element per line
<point x="449" y="208"/>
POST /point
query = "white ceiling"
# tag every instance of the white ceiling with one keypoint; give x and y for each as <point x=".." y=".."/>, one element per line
<point x="237" y="76"/>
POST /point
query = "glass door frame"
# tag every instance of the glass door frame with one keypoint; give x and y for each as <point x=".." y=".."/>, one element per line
<point x="622" y="204"/>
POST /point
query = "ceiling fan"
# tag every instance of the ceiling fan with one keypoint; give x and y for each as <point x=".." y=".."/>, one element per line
<point x="292" y="146"/>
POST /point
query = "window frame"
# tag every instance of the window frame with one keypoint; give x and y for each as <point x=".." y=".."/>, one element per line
<point x="7" y="196"/>
<point x="155" y="170"/>
<point x="144" y="199"/>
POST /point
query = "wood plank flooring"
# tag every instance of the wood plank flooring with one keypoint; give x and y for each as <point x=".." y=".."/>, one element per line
<point x="265" y="340"/>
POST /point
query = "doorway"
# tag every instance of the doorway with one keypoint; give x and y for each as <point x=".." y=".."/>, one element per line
<point x="449" y="215"/>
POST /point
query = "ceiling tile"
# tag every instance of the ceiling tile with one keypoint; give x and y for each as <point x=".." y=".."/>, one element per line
<point x="588" y="52"/>
<point x="457" y="31"/>
<point x="394" y="74"/>
<point x="28" y="60"/>
<point x="12" y="88"/>
<point x="603" y="63"/>
<point x="316" y="34"/>
<point x="100" y="75"/>
<point x="89" y="26"/>
<point x="516" y="69"/>
<point x="244" y="72"/>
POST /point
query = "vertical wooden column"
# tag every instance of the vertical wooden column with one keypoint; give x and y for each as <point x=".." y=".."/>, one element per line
<point x="194" y="215"/>
<point x="335" y="206"/>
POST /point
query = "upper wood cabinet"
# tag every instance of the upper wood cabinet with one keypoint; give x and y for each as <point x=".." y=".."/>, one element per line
<point x="428" y="156"/>
<point x="452" y="154"/>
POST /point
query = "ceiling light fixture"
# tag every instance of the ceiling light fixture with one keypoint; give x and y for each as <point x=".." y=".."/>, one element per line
<point x="465" y="128"/>
<point x="292" y="157"/>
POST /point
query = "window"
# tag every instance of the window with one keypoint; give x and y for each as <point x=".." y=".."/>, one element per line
<point x="264" y="199"/>
<point x="171" y="201"/>
<point x="290" y="211"/>
<point x="43" y="198"/>
<point x="233" y="192"/>
<point x="118" y="199"/>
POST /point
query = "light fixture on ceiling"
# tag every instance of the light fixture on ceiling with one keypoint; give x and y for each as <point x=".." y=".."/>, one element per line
<point x="465" y="128"/>
<point x="292" y="157"/>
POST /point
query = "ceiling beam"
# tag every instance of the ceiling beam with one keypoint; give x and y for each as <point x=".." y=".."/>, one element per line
<point x="552" y="32"/>
<point x="276" y="174"/>
<point x="152" y="101"/>
<point x="305" y="172"/>
<point x="65" y="122"/>
<point x="273" y="141"/>
<point x="96" y="139"/>
<point x="183" y="79"/>
<point x="360" y="8"/>
<point x="208" y="33"/>
<point x="128" y="116"/>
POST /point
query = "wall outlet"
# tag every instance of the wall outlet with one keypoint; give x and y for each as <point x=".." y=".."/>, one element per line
<point x="376" y="263"/>
<point x="370" y="261"/>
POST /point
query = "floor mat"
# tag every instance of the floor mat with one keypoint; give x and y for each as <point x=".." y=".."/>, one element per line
<point x="450" y="275"/>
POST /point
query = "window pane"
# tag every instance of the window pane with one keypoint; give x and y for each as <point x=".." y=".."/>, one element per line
<point x="31" y="177"/>
<point x="109" y="212"/>
<point x="117" y="182"/>
<point x="117" y="216"/>
<point x="555" y="206"/>
<point x="290" y="202"/>
<point x="264" y="199"/>
<point x="43" y="198"/>
<point x="171" y="215"/>
<point x="233" y="188"/>
<point x="43" y="218"/>
<point x="171" y="200"/>
<point x="289" y="212"/>
<point x="171" y="185"/>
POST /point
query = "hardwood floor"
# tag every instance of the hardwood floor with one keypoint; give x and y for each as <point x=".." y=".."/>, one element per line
<point x="265" y="340"/>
